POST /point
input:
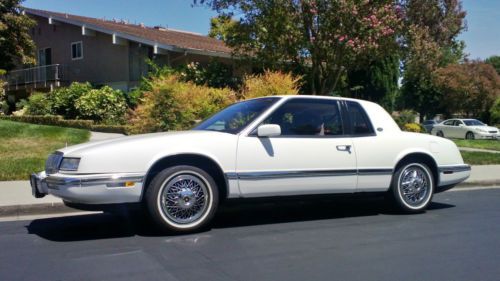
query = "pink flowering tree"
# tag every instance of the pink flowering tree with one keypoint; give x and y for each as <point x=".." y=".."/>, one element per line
<point x="322" y="38"/>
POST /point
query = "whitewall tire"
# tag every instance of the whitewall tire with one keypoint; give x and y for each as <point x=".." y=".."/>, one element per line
<point x="412" y="187"/>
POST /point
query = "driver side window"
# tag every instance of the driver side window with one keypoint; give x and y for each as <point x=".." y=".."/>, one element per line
<point x="308" y="117"/>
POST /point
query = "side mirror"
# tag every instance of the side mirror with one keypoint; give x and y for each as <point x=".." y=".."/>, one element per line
<point x="269" y="130"/>
<point x="461" y="125"/>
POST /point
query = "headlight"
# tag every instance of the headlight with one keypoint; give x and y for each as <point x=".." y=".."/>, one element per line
<point x="69" y="164"/>
<point x="481" y="130"/>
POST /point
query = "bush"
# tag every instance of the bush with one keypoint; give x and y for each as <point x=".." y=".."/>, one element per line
<point x="64" y="99"/>
<point x="495" y="112"/>
<point x="39" y="104"/>
<point x="270" y="84"/>
<point x="412" y="127"/>
<point x="175" y="105"/>
<point x="215" y="74"/>
<point x="102" y="105"/>
<point x="405" y="117"/>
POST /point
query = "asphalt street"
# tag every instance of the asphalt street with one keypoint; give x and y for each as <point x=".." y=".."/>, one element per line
<point x="344" y="238"/>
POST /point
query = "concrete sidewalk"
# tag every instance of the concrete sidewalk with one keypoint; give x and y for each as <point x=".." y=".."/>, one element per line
<point x="16" y="198"/>
<point x="470" y="149"/>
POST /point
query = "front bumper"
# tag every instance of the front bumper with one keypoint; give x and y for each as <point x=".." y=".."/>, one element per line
<point x="89" y="189"/>
<point x="486" y="136"/>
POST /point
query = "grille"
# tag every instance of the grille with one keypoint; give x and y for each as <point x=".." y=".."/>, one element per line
<point x="493" y="132"/>
<point x="53" y="162"/>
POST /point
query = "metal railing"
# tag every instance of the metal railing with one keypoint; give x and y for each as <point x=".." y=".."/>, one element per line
<point x="39" y="76"/>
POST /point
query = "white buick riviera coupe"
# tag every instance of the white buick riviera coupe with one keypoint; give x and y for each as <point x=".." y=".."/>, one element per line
<point x="272" y="146"/>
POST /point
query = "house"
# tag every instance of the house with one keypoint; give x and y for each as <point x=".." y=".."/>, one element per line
<point x="105" y="52"/>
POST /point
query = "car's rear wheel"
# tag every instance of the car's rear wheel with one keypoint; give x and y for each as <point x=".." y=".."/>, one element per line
<point x="469" y="136"/>
<point x="440" y="134"/>
<point x="412" y="187"/>
<point x="182" y="198"/>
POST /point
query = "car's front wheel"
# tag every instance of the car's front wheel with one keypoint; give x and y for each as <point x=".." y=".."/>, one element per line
<point x="469" y="136"/>
<point x="412" y="187"/>
<point x="182" y="198"/>
<point x="440" y="134"/>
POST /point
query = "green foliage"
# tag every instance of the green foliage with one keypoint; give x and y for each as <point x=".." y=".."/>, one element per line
<point x="215" y="74"/>
<point x="172" y="104"/>
<point x="495" y="62"/>
<point x="405" y="117"/>
<point x="495" y="112"/>
<point x="16" y="45"/>
<point x="376" y="81"/>
<point x="64" y="99"/>
<point x="322" y="37"/>
<point x="39" y="104"/>
<point x="429" y="42"/>
<point x="222" y="27"/>
<point x="270" y="84"/>
<point x="102" y="105"/>
<point x="412" y="127"/>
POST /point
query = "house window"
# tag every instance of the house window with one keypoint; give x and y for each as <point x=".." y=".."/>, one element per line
<point x="77" y="50"/>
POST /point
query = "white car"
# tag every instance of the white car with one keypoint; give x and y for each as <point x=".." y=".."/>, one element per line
<point x="272" y="146"/>
<point x="465" y="129"/>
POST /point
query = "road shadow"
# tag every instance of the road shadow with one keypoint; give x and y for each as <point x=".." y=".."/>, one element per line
<point x="232" y="214"/>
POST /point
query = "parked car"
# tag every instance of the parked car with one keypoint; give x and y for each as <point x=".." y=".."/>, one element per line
<point x="465" y="129"/>
<point x="272" y="146"/>
<point x="428" y="125"/>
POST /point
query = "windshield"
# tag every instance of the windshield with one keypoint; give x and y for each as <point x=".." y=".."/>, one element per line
<point x="473" y="122"/>
<point x="236" y="117"/>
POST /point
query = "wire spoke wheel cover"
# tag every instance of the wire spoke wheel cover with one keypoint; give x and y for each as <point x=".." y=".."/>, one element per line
<point x="415" y="186"/>
<point x="184" y="198"/>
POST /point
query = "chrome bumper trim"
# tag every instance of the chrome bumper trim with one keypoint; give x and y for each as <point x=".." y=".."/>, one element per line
<point x="454" y="169"/>
<point x="55" y="182"/>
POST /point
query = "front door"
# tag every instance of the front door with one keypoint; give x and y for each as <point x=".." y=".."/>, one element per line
<point x="311" y="156"/>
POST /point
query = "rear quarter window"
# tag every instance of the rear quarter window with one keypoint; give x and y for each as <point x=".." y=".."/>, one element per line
<point x="359" y="121"/>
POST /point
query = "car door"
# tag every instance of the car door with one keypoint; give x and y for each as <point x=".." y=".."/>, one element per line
<point x="460" y="129"/>
<point x="448" y="128"/>
<point x="311" y="156"/>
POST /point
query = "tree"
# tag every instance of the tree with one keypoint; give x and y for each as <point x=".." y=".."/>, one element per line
<point x="16" y="46"/>
<point x="470" y="88"/>
<point x="429" y="42"/>
<point x="322" y="37"/>
<point x="376" y="81"/>
<point x="495" y="62"/>
<point x="222" y="27"/>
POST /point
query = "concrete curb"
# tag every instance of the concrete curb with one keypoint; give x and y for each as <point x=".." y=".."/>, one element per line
<point x="60" y="208"/>
<point x="35" y="209"/>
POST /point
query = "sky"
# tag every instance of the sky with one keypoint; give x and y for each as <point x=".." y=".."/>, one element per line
<point x="482" y="37"/>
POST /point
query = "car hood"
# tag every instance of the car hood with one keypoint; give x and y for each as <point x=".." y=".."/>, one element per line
<point x="487" y="128"/>
<point x="141" y="140"/>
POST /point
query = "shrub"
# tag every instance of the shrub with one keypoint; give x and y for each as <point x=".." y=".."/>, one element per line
<point x="412" y="127"/>
<point x="102" y="105"/>
<point x="270" y="84"/>
<point x="39" y="104"/>
<point x="215" y="74"/>
<point x="495" y="112"/>
<point x="64" y="99"/>
<point x="405" y="116"/>
<point x="175" y="105"/>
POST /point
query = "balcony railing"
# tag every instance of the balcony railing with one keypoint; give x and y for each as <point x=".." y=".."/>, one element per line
<point x="37" y="77"/>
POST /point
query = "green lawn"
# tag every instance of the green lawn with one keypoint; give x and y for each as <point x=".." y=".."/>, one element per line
<point x="483" y="144"/>
<point x="25" y="147"/>
<point x="480" y="158"/>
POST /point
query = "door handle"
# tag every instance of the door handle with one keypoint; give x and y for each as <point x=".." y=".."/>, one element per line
<point x="344" y="148"/>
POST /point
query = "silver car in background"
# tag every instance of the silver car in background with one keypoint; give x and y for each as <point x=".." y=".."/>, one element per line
<point x="465" y="129"/>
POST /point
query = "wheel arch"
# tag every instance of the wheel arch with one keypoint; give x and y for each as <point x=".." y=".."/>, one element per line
<point x="201" y="161"/>
<point x="421" y="157"/>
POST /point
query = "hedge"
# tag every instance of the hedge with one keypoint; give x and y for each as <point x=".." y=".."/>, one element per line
<point x="61" y="122"/>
